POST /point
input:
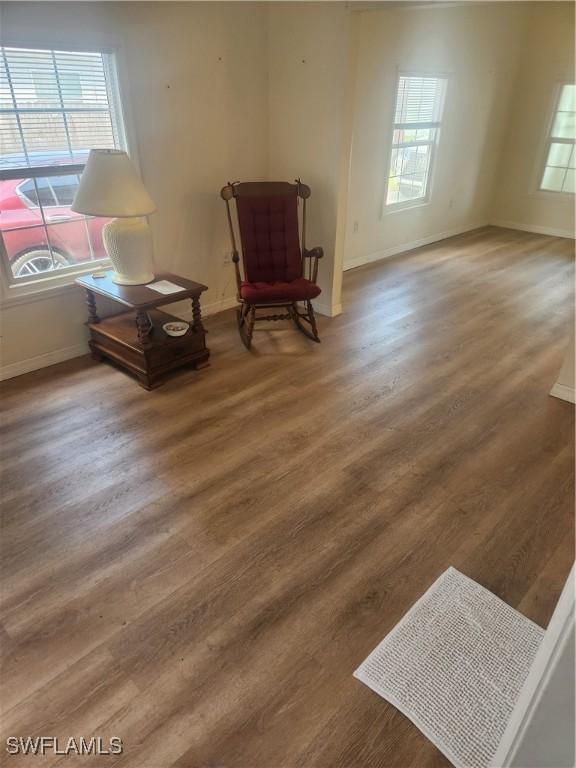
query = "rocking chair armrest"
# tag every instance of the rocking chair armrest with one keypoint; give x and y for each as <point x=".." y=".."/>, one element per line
<point x="314" y="253"/>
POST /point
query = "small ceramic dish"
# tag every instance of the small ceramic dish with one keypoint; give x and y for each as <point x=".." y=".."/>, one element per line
<point x="175" y="328"/>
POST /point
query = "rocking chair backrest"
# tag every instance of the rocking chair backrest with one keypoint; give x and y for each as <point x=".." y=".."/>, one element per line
<point x="268" y="222"/>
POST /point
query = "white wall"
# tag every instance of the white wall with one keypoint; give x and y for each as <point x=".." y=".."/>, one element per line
<point x="194" y="76"/>
<point x="547" y="58"/>
<point x="309" y="54"/>
<point x="477" y="47"/>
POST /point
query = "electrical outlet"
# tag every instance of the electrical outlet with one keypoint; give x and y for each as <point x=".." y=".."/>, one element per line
<point x="227" y="257"/>
<point x="355" y="226"/>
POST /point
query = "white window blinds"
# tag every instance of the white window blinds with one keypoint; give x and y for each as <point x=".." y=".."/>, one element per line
<point x="418" y="100"/>
<point x="55" y="106"/>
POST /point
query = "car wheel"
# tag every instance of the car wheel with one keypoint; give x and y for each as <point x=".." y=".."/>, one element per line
<point x="38" y="260"/>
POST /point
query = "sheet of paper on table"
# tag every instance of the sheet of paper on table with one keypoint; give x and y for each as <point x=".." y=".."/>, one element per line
<point x="165" y="286"/>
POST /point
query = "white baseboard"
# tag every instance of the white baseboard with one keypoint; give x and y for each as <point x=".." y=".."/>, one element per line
<point x="229" y="303"/>
<point x="77" y="350"/>
<point x="219" y="306"/>
<point x="564" y="393"/>
<point x="537" y="230"/>
<point x="396" y="249"/>
<point x="182" y="308"/>
<point x="67" y="353"/>
<point x="42" y="361"/>
<point x="328" y="310"/>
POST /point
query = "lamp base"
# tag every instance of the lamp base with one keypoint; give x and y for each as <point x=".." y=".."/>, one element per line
<point x="121" y="279"/>
<point x="128" y="243"/>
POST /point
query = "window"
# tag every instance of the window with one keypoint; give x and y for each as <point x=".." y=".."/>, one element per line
<point x="34" y="192"/>
<point x="417" y="115"/>
<point x="54" y="107"/>
<point x="559" y="170"/>
<point x="55" y="191"/>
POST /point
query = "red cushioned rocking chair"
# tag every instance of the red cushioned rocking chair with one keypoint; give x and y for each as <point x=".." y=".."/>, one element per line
<point x="279" y="271"/>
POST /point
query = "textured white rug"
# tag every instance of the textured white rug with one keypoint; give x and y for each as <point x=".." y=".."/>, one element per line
<point x="455" y="665"/>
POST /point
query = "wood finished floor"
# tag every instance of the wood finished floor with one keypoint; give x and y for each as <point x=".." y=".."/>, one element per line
<point x="199" y="569"/>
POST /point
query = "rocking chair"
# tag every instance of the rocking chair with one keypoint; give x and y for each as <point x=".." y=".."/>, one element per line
<point x="279" y="271"/>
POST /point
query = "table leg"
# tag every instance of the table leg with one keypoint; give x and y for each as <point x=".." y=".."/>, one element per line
<point x="196" y="315"/>
<point x="143" y="326"/>
<point x="91" y="304"/>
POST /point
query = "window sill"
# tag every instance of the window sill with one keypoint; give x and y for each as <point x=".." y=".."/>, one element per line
<point x="14" y="295"/>
<point x="545" y="194"/>
<point x="398" y="207"/>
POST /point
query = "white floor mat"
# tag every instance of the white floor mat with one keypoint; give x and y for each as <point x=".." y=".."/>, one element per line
<point x="455" y="665"/>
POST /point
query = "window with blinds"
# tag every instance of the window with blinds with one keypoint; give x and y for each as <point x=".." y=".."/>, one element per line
<point x="417" y="118"/>
<point x="54" y="107"/>
<point x="560" y="166"/>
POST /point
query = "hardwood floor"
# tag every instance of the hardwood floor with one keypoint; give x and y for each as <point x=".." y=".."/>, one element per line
<point x="199" y="569"/>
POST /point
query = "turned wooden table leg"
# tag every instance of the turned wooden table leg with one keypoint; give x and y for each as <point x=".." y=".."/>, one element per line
<point x="143" y="326"/>
<point x="196" y="315"/>
<point x="91" y="304"/>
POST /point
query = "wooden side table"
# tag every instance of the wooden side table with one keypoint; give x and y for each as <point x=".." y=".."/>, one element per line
<point x="134" y="339"/>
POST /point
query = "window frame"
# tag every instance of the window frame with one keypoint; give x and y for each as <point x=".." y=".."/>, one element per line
<point x="546" y="140"/>
<point x="418" y="202"/>
<point x="15" y="291"/>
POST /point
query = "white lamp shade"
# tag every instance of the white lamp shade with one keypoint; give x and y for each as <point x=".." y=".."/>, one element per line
<point x="110" y="186"/>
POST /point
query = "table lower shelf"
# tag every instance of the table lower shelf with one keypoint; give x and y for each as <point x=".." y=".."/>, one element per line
<point x="150" y="360"/>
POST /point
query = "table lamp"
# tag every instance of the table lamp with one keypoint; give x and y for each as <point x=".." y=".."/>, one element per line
<point x="110" y="186"/>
